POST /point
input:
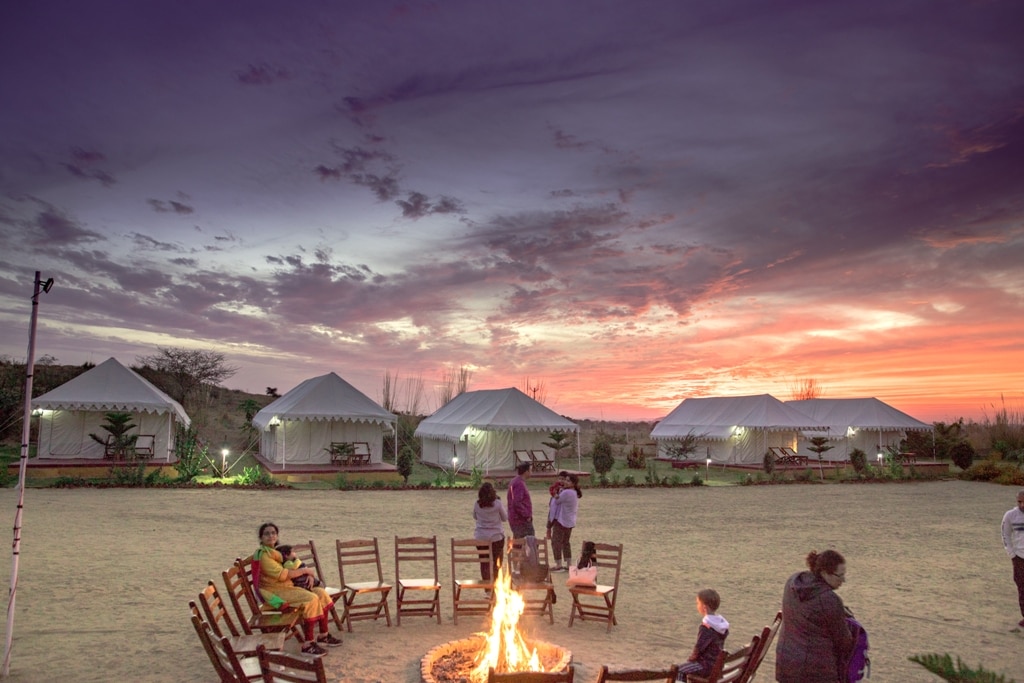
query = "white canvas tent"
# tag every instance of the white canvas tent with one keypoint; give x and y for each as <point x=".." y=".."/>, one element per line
<point x="75" y="409"/>
<point x="482" y="428"/>
<point x="732" y="429"/>
<point x="849" y="423"/>
<point x="298" y="428"/>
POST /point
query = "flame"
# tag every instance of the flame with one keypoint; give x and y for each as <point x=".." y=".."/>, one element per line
<point x="505" y="649"/>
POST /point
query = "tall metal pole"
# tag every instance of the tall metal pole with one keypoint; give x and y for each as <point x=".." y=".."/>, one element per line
<point x="30" y="361"/>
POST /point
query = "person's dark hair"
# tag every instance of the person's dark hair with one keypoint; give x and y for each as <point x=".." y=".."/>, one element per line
<point x="522" y="468"/>
<point x="487" y="495"/>
<point x="285" y="550"/>
<point x="710" y="598"/>
<point x="824" y="563"/>
<point x="575" y="482"/>
<point x="264" y="527"/>
<point x="563" y="473"/>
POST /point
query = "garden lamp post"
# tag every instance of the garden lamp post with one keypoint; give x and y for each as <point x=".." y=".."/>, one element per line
<point x="30" y="361"/>
<point x="224" y="462"/>
<point x="707" y="469"/>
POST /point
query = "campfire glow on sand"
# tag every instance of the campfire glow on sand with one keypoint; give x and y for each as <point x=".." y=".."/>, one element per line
<point x="503" y="647"/>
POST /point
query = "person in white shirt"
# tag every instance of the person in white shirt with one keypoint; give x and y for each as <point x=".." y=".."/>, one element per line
<point x="1013" y="542"/>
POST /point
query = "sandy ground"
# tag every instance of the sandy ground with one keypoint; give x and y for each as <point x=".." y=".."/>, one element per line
<point x="106" y="575"/>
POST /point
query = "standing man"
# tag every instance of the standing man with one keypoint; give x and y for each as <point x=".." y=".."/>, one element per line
<point x="1013" y="541"/>
<point x="520" y="507"/>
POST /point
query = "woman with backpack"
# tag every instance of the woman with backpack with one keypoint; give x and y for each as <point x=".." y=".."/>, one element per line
<point x="814" y="639"/>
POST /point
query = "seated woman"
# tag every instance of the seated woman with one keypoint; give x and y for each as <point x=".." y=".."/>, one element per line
<point x="278" y="589"/>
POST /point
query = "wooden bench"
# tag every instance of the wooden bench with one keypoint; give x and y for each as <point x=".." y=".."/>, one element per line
<point x="349" y="453"/>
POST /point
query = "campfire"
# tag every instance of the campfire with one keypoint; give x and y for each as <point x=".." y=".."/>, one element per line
<point x="503" y="647"/>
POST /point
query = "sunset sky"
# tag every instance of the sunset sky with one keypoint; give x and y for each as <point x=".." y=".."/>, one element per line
<point x="630" y="203"/>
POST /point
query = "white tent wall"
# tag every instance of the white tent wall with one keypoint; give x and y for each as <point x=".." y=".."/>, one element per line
<point x="64" y="434"/>
<point x="871" y="441"/>
<point x="746" y="448"/>
<point x="307" y="442"/>
<point x="485" y="449"/>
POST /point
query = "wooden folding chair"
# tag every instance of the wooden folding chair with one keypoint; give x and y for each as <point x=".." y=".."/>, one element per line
<point x="280" y="667"/>
<point x="229" y="666"/>
<point x="467" y="556"/>
<point x="532" y="676"/>
<point x="253" y="616"/>
<point x="730" y="667"/>
<point x="538" y="596"/>
<point x="767" y="636"/>
<point x="306" y="552"/>
<point x="421" y="553"/>
<point x="217" y="616"/>
<point x="361" y="582"/>
<point x="665" y="675"/>
<point x="598" y="602"/>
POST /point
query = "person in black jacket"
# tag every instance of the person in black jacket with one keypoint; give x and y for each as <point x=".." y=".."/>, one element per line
<point x="710" y="636"/>
<point x="814" y="640"/>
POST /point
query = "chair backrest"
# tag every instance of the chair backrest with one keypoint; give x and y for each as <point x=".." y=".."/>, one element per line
<point x="767" y="636"/>
<point x="734" y="665"/>
<point x="566" y="676"/>
<point x="306" y="552"/>
<point x="362" y="551"/>
<point x="145" y="444"/>
<point x="517" y="553"/>
<point x="225" y="662"/>
<point x="471" y="552"/>
<point x="280" y="667"/>
<point x="666" y="675"/>
<point x="608" y="558"/>
<point x="216" y="612"/>
<point x="419" y="551"/>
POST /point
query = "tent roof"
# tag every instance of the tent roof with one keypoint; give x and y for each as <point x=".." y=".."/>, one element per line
<point x="715" y="417"/>
<point x="862" y="413"/>
<point x="110" y="387"/>
<point x="491" y="410"/>
<point x="327" y="397"/>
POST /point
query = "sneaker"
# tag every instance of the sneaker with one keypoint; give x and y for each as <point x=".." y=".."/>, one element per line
<point x="329" y="640"/>
<point x="1021" y="623"/>
<point x="560" y="569"/>
<point x="313" y="649"/>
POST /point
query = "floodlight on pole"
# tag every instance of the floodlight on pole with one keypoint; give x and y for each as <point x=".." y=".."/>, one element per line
<point x="26" y="430"/>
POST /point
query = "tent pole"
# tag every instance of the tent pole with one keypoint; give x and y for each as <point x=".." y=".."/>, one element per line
<point x="579" y="460"/>
<point x="26" y="430"/>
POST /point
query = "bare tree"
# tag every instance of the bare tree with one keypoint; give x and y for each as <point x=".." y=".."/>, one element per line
<point x="453" y="383"/>
<point x="413" y="395"/>
<point x="804" y="389"/>
<point x="387" y="391"/>
<point x="188" y="370"/>
<point x="536" y="389"/>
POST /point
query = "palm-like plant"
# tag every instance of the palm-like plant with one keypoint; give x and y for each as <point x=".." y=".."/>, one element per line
<point x="118" y="442"/>
<point x="819" y="445"/>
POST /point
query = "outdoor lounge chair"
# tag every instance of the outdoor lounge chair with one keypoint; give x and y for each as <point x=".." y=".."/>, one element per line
<point x="532" y="676"/>
<point x="250" y="610"/>
<point x="306" y="552"/>
<point x="538" y="595"/>
<point x="359" y="556"/>
<point x="223" y="626"/>
<point x="281" y="667"/>
<point x="665" y="675"/>
<point x="419" y="596"/>
<point x="598" y="602"/>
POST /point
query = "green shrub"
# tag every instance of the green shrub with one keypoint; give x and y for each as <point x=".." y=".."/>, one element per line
<point x="601" y="454"/>
<point x="696" y="481"/>
<point x="255" y="476"/>
<point x="406" y="460"/>
<point x="629" y="480"/>
<point x="962" y="454"/>
<point x="1010" y="476"/>
<point x="859" y="460"/>
<point x="476" y="478"/>
<point x="769" y="462"/>
<point x="943" y="667"/>
<point x="191" y="456"/>
<point x="984" y="470"/>
<point x="635" y="459"/>
<point x="803" y="476"/>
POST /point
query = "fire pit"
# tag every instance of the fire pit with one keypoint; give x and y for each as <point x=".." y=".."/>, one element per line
<point x="504" y="648"/>
<point x="454" y="661"/>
